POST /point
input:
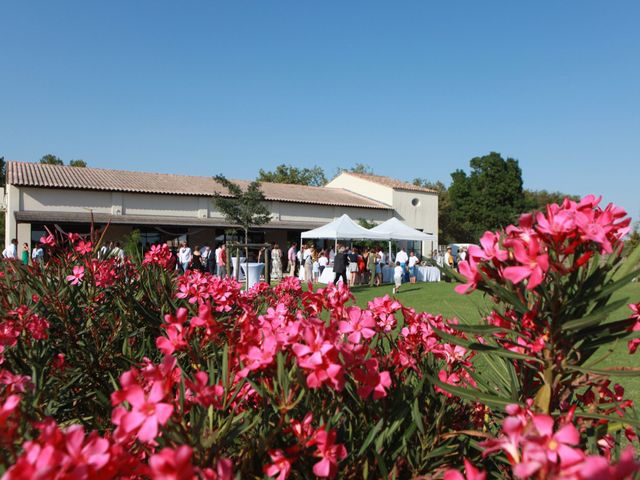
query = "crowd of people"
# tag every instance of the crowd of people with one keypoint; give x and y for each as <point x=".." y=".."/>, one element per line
<point x="354" y="265"/>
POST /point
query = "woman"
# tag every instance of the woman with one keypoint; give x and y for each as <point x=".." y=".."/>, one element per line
<point x="307" y="260"/>
<point x="25" y="253"/>
<point x="276" y="262"/>
<point x="371" y="267"/>
<point x="196" y="260"/>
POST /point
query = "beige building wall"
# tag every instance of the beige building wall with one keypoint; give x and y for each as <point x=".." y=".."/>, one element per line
<point x="363" y="187"/>
<point x="418" y="210"/>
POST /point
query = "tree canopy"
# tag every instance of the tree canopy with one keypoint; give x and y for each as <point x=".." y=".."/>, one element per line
<point x="244" y="208"/>
<point x="50" y="159"/>
<point x="314" y="177"/>
<point x="489" y="197"/>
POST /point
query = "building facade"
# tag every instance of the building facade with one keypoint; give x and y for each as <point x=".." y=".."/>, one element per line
<point x="167" y="207"/>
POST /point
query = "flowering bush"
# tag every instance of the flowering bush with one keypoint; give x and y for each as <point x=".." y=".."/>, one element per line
<point x="110" y="369"/>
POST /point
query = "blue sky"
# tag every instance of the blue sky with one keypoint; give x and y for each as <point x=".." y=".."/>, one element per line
<point x="409" y="88"/>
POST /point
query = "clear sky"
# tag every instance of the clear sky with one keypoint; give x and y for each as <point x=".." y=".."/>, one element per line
<point x="409" y="88"/>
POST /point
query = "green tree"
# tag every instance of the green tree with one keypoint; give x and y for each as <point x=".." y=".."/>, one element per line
<point x="357" y="168"/>
<point x="3" y="172"/>
<point x="314" y="177"/>
<point x="538" y="199"/>
<point x="77" y="163"/>
<point x="490" y="197"/>
<point x="50" y="159"/>
<point x="245" y="208"/>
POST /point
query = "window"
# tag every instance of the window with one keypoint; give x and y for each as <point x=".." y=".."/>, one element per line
<point x="415" y="202"/>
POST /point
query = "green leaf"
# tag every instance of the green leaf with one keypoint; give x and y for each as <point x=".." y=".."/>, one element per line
<point x="372" y="433"/>
<point x="613" y="372"/>
<point x="609" y="418"/>
<point x="595" y="317"/>
<point x="491" y="400"/>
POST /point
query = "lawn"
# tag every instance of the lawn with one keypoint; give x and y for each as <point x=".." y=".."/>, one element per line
<point x="440" y="298"/>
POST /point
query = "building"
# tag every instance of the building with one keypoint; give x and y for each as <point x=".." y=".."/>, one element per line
<point x="166" y="207"/>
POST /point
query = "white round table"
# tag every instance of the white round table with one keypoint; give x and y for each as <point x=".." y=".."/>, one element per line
<point x="234" y="261"/>
<point x="255" y="270"/>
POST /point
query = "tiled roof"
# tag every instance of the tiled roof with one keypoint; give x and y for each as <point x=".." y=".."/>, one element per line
<point x="390" y="182"/>
<point x="87" y="178"/>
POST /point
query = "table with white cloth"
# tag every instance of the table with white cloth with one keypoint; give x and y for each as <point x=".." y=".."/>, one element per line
<point x="233" y="267"/>
<point x="423" y="274"/>
<point x="255" y="270"/>
<point x="427" y="274"/>
<point x="328" y="275"/>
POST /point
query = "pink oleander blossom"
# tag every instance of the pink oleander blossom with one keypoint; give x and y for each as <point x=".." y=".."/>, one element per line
<point x="76" y="277"/>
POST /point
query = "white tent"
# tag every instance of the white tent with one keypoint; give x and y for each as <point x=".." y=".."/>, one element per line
<point x="394" y="229"/>
<point x="343" y="228"/>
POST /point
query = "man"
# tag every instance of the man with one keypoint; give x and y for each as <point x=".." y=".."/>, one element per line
<point x="11" y="252"/>
<point x="184" y="257"/>
<point x="340" y="263"/>
<point x="221" y="261"/>
<point x="413" y="269"/>
<point x="448" y="258"/>
<point x="291" y="258"/>
<point x="37" y="255"/>
<point x="403" y="258"/>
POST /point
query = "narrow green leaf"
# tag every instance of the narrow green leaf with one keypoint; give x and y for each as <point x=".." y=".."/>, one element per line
<point x="372" y="433"/>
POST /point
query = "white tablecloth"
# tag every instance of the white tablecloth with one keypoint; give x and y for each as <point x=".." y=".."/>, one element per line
<point x="234" y="261"/>
<point x="423" y="274"/>
<point x="328" y="275"/>
<point x="255" y="270"/>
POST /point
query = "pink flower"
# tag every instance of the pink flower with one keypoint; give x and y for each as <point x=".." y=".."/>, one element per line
<point x="330" y="452"/>
<point x="92" y="451"/>
<point x="173" y="341"/>
<point x="83" y="248"/>
<point x="534" y="265"/>
<point x="147" y="412"/>
<point x="470" y="270"/>
<point x="172" y="464"/>
<point x="360" y="324"/>
<point x="281" y="465"/>
<point x="471" y="473"/>
<point x="372" y="380"/>
<point x="76" y="277"/>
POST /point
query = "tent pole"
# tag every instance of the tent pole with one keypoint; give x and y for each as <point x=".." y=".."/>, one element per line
<point x="389" y="252"/>
<point x="335" y="250"/>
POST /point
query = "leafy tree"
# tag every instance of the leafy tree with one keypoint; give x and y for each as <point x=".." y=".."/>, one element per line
<point x="3" y="172"/>
<point x="490" y="197"/>
<point x="314" y="177"/>
<point x="50" y="159"/>
<point x="538" y="199"/>
<point x="357" y="168"/>
<point x="77" y="163"/>
<point x="243" y="208"/>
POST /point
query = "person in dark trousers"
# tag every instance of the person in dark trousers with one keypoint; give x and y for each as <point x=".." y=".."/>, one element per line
<point x="340" y="263"/>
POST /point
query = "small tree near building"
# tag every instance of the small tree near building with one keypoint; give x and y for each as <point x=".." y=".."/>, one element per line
<point x="244" y="208"/>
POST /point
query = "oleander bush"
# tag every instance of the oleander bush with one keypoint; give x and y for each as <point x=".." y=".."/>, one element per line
<point x="110" y="369"/>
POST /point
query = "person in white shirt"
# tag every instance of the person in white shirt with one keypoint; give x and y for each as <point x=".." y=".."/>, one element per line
<point x="413" y="262"/>
<point x="323" y="261"/>
<point x="463" y="254"/>
<point x="448" y="258"/>
<point x="11" y="252"/>
<point x="184" y="256"/>
<point x="307" y="262"/>
<point x="398" y="273"/>
<point x="37" y="255"/>
<point x="221" y="261"/>
<point x="403" y="258"/>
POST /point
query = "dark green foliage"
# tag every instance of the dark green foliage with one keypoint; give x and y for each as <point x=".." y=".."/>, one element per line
<point x="314" y="177"/>
<point x="50" y="159"/>
<point x="77" y="163"/>
<point x="490" y="197"/>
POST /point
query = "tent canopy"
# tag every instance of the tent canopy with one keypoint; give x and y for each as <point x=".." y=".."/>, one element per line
<point x="343" y="228"/>
<point x="394" y="229"/>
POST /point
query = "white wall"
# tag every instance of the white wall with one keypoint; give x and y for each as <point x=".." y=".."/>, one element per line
<point x="363" y="187"/>
<point x="423" y="216"/>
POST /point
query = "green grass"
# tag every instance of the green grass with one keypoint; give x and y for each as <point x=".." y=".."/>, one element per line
<point x="440" y="298"/>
